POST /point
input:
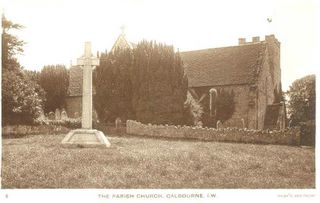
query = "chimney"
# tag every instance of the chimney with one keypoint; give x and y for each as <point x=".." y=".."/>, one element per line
<point x="270" y="37"/>
<point x="255" y="39"/>
<point x="242" y="41"/>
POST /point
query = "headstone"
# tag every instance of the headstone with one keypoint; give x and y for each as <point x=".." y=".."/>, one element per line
<point x="94" y="116"/>
<point x="64" y="115"/>
<point x="57" y="115"/>
<point x="51" y="115"/>
<point x="41" y="116"/>
<point x="76" y="114"/>
<point x="243" y="123"/>
<point x="219" y="124"/>
<point x="118" y="122"/>
<point x="86" y="136"/>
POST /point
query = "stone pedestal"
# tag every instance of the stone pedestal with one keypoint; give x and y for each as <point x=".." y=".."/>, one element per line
<point x="85" y="138"/>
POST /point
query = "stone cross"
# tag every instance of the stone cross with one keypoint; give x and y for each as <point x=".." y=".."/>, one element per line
<point x="86" y="136"/>
<point x="87" y="62"/>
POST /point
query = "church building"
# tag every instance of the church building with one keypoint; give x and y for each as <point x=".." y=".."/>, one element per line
<point x="250" y="70"/>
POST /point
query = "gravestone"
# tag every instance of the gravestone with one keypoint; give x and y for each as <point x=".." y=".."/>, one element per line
<point x="219" y="124"/>
<point x="51" y="115"/>
<point x="64" y="115"/>
<point x="118" y="122"/>
<point x="76" y="114"/>
<point x="86" y="136"/>
<point x="243" y="123"/>
<point x="57" y="115"/>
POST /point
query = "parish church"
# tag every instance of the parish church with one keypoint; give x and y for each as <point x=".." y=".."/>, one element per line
<point x="250" y="70"/>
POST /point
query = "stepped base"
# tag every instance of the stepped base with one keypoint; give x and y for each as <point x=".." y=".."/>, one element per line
<point x="85" y="138"/>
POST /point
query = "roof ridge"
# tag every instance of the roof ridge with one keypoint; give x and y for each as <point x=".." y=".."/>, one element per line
<point x="226" y="47"/>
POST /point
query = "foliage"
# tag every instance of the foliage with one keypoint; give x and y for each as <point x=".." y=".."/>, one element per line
<point x="54" y="79"/>
<point x="302" y="102"/>
<point x="147" y="84"/>
<point x="192" y="111"/>
<point x="21" y="102"/>
<point x="33" y="75"/>
<point x="308" y="132"/>
<point x="11" y="45"/>
<point x="278" y="95"/>
<point x="225" y="105"/>
<point x="113" y="86"/>
<point x="159" y="84"/>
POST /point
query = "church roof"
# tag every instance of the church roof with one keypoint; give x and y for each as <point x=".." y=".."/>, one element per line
<point x="224" y="66"/>
<point x="123" y="43"/>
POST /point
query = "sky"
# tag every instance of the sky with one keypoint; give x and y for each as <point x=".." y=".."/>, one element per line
<point x="55" y="30"/>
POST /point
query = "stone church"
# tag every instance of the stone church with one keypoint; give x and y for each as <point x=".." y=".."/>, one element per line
<point x="251" y="70"/>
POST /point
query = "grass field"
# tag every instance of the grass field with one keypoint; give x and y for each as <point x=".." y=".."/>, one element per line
<point x="136" y="162"/>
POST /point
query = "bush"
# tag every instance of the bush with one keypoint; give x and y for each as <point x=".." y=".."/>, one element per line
<point x="192" y="111"/>
<point x="302" y="103"/>
<point x="159" y="84"/>
<point x="308" y="133"/>
<point x="55" y="81"/>
<point x="21" y="103"/>
<point x="113" y="86"/>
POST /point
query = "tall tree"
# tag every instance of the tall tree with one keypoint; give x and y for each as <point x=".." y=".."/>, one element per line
<point x="225" y="105"/>
<point x="11" y="45"/>
<point x="302" y="102"/>
<point x="159" y="84"/>
<point x="113" y="86"/>
<point x="20" y="101"/>
<point x="54" y="79"/>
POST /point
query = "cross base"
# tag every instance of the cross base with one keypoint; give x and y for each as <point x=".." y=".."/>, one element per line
<point x="85" y="138"/>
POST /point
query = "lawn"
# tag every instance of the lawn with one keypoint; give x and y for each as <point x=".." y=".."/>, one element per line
<point x="39" y="161"/>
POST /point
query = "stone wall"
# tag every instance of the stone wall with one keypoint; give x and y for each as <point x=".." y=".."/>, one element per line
<point x="287" y="137"/>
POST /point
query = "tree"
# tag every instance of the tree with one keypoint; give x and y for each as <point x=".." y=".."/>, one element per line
<point x="159" y="84"/>
<point x="193" y="111"/>
<point x="113" y="86"/>
<point x="302" y="100"/>
<point x="54" y="79"/>
<point x="20" y="100"/>
<point x="11" y="46"/>
<point x="225" y="105"/>
<point x="21" y="103"/>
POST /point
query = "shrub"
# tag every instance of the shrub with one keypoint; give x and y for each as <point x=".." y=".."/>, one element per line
<point x="302" y="103"/>
<point x="159" y="84"/>
<point x="192" y="111"/>
<point x="113" y="86"/>
<point x="55" y="81"/>
<point x="308" y="132"/>
<point x="21" y="103"/>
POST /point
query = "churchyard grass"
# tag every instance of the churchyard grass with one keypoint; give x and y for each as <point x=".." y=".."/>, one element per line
<point x="39" y="161"/>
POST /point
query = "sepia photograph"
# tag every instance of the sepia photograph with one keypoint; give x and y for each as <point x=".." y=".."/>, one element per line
<point x="198" y="100"/>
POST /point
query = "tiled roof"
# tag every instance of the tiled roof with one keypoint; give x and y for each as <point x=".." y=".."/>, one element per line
<point x="224" y="66"/>
<point x="122" y="42"/>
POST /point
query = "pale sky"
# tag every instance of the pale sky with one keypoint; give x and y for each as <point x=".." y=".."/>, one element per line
<point x="55" y="30"/>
